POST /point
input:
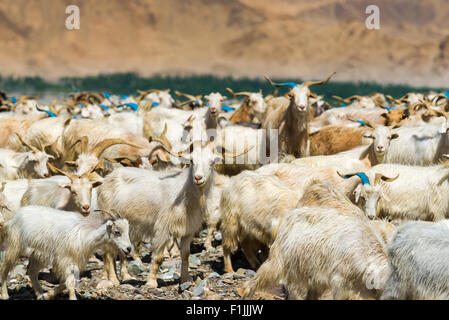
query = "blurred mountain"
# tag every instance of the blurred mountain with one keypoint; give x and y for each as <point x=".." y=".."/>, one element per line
<point x="281" y="38"/>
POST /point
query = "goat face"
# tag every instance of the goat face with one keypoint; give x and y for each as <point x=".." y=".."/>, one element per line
<point x="299" y="97"/>
<point x="368" y="196"/>
<point x="165" y="99"/>
<point x="118" y="233"/>
<point x="381" y="136"/>
<point x="28" y="107"/>
<point x="38" y="161"/>
<point x="81" y="190"/>
<point x="215" y="101"/>
<point x="257" y="104"/>
<point x="203" y="160"/>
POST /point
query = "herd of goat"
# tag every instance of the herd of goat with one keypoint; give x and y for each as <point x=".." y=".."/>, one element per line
<point x="351" y="199"/>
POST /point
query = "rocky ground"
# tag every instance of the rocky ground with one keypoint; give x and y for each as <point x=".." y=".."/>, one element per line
<point x="206" y="268"/>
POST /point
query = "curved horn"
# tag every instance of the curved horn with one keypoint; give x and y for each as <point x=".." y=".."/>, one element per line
<point x="347" y="100"/>
<point x="185" y="95"/>
<point x="380" y="176"/>
<point x="361" y="175"/>
<point x="237" y="94"/>
<point x="25" y="144"/>
<point x="103" y="145"/>
<point x="370" y="124"/>
<point x="163" y="137"/>
<point x="311" y="83"/>
<point x="234" y="154"/>
<point x="166" y="148"/>
<point x="279" y="85"/>
<point x="395" y="101"/>
<point x="112" y="214"/>
<point x="99" y="166"/>
<point x="71" y="176"/>
<point x="84" y="144"/>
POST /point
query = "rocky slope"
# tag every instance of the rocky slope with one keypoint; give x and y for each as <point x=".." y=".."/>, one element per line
<point x="288" y="38"/>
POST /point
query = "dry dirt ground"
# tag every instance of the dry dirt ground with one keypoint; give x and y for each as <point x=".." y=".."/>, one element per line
<point x="206" y="268"/>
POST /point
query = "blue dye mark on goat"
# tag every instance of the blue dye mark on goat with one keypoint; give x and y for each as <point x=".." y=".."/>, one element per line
<point x="361" y="175"/>
<point x="133" y="106"/>
<point x="227" y="108"/>
<point x="50" y="114"/>
<point x="290" y="84"/>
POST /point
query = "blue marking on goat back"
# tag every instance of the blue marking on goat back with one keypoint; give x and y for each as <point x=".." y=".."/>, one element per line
<point x="155" y="104"/>
<point x="107" y="95"/>
<point x="105" y="107"/>
<point x="82" y="105"/>
<point x="13" y="99"/>
<point x="133" y="106"/>
<point x="227" y="108"/>
<point x="361" y="122"/>
<point x="51" y="114"/>
<point x="389" y="108"/>
<point x="363" y="177"/>
<point x="123" y="96"/>
<point x="290" y="84"/>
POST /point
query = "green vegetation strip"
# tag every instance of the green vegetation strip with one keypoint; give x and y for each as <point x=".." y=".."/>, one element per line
<point x="128" y="83"/>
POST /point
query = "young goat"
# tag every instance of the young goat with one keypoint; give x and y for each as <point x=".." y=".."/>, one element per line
<point x="63" y="239"/>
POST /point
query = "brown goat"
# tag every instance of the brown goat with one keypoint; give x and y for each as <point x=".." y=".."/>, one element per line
<point x="291" y="116"/>
<point x="335" y="139"/>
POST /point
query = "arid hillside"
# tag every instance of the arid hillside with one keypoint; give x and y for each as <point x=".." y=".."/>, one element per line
<point x="283" y="38"/>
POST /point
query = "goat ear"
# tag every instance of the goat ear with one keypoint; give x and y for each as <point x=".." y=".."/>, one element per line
<point x="394" y="136"/>
<point x="357" y="192"/>
<point x="368" y="134"/>
<point x="109" y="225"/>
<point x="97" y="183"/>
<point x="65" y="185"/>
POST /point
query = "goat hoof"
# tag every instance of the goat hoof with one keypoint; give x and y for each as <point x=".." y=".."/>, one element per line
<point x="4" y="297"/>
<point x="127" y="277"/>
<point x="151" y="284"/>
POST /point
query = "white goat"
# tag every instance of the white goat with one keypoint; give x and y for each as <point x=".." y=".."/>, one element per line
<point x="319" y="248"/>
<point x="62" y="239"/>
<point x="161" y="206"/>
